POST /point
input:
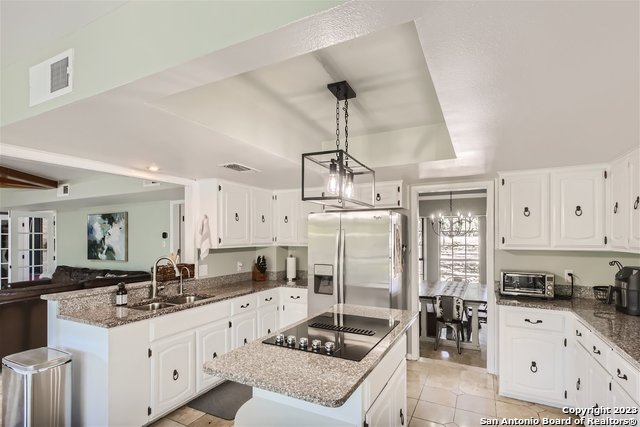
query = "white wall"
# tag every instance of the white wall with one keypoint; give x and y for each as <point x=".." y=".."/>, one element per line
<point x="146" y="222"/>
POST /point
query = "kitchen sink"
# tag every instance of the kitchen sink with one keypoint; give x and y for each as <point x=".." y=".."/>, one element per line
<point x="154" y="306"/>
<point x="186" y="299"/>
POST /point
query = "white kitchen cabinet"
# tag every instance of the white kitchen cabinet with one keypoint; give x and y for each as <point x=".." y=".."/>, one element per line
<point x="617" y="206"/>
<point x="233" y="217"/>
<point x="172" y="371"/>
<point x="387" y="194"/>
<point x="267" y="319"/>
<point x="287" y="211"/>
<point x="577" y="207"/>
<point x="261" y="216"/>
<point x="306" y="208"/>
<point x="581" y="376"/>
<point x="524" y="210"/>
<point x="634" y="200"/>
<point x="243" y="329"/>
<point x="598" y="389"/>
<point x="618" y="398"/>
<point x="212" y="341"/>
<point x="293" y="306"/>
<point x="532" y="361"/>
<point x="390" y="407"/>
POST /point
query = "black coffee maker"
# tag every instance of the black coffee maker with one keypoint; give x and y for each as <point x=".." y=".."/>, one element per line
<point x="626" y="292"/>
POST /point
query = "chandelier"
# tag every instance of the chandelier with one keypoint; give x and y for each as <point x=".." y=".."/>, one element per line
<point x="337" y="171"/>
<point x="451" y="225"/>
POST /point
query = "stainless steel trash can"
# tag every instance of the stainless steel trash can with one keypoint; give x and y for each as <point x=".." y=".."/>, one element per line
<point x="36" y="388"/>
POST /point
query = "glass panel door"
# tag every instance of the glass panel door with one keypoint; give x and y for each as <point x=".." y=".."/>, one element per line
<point x="33" y="240"/>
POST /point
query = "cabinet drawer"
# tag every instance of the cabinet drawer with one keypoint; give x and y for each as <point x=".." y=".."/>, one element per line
<point x="626" y="375"/>
<point x="268" y="297"/>
<point x="244" y="304"/>
<point x="170" y="324"/>
<point x="581" y="333"/>
<point x="599" y="349"/>
<point x="293" y="295"/>
<point x="538" y="320"/>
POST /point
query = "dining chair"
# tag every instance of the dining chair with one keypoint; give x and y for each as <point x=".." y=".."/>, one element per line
<point x="449" y="313"/>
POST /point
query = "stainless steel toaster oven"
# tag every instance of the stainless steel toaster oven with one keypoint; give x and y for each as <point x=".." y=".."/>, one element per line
<point x="527" y="283"/>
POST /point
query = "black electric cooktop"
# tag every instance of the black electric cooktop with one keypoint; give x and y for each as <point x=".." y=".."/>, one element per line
<point x="345" y="336"/>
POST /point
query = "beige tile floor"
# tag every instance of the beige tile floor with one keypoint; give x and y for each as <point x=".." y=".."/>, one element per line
<point x="439" y="393"/>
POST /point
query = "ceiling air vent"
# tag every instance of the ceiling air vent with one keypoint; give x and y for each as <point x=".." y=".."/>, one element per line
<point x="51" y="78"/>
<point x="238" y="167"/>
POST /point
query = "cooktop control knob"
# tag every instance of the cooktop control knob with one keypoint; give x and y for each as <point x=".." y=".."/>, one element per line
<point x="280" y="339"/>
<point x="291" y="340"/>
<point x="303" y="342"/>
<point x="315" y="345"/>
<point x="329" y="347"/>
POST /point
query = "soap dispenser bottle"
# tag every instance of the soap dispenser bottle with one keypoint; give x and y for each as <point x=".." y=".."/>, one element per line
<point x="121" y="295"/>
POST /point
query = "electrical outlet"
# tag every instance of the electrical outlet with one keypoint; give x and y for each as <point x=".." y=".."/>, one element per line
<point x="240" y="265"/>
<point x="567" y="278"/>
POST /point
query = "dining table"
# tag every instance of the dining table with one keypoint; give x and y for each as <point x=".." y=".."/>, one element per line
<point x="473" y="294"/>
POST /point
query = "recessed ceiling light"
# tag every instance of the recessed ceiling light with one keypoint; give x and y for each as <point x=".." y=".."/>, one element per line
<point x="153" y="168"/>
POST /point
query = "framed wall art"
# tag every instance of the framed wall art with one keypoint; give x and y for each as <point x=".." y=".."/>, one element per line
<point x="107" y="236"/>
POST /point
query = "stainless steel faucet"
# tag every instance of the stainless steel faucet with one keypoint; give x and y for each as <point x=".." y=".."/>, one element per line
<point x="154" y="282"/>
<point x="188" y="277"/>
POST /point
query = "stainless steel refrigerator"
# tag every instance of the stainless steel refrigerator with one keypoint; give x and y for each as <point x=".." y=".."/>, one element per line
<point x="357" y="257"/>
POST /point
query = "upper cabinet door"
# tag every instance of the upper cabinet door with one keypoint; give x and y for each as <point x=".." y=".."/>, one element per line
<point x="634" y="200"/>
<point x="618" y="204"/>
<point x="577" y="198"/>
<point x="386" y="194"/>
<point x="261" y="215"/>
<point x="286" y="217"/>
<point x="524" y="210"/>
<point x="233" y="215"/>
<point x="306" y="208"/>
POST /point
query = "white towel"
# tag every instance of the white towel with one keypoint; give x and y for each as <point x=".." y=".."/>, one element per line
<point x="205" y="238"/>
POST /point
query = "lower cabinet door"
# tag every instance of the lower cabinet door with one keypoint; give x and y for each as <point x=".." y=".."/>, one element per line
<point x="400" y="396"/>
<point x="267" y="320"/>
<point x="599" y="380"/>
<point x="390" y="407"/>
<point x="534" y="364"/>
<point x="243" y="329"/>
<point x="582" y="384"/>
<point x="621" y="402"/>
<point x="292" y="313"/>
<point x="212" y="341"/>
<point x="172" y="367"/>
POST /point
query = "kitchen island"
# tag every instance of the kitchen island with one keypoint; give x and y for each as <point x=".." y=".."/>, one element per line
<point x="303" y="388"/>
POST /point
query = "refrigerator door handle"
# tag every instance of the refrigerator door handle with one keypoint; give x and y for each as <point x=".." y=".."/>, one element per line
<point x="341" y="276"/>
<point x="336" y="267"/>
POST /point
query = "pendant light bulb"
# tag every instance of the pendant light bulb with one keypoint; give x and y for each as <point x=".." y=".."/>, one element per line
<point x="332" y="185"/>
<point x="348" y="189"/>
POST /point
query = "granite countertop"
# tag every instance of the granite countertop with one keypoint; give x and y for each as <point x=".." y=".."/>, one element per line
<point x="314" y="378"/>
<point x="621" y="330"/>
<point x="80" y="309"/>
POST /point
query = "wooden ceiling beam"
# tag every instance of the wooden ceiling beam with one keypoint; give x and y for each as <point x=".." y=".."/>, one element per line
<point x="11" y="178"/>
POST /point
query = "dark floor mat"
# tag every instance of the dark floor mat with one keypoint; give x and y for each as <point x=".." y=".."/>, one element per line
<point x="223" y="401"/>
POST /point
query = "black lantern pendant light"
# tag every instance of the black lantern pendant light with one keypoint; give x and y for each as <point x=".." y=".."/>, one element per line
<point x="341" y="170"/>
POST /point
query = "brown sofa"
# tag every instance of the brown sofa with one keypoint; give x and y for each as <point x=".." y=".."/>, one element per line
<point x="23" y="314"/>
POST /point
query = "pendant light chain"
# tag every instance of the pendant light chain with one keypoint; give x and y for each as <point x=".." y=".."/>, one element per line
<point x="337" y="124"/>
<point x="346" y="130"/>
